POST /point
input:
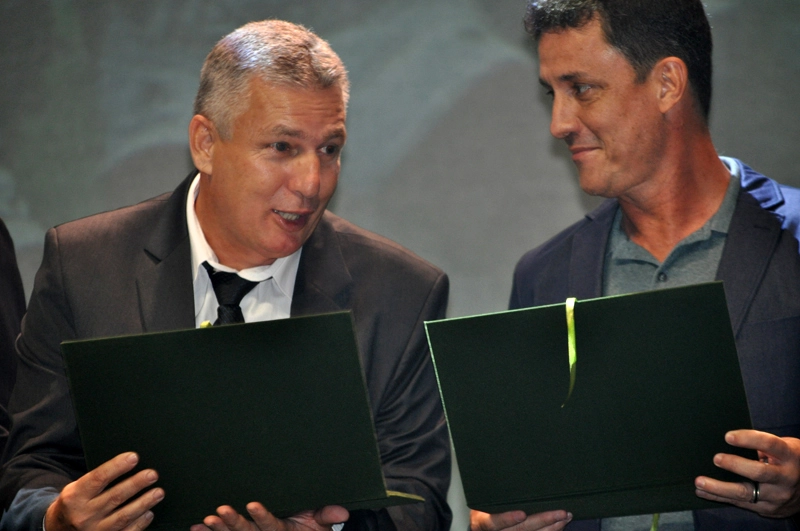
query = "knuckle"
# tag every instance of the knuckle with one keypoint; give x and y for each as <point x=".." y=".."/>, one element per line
<point x="80" y="523"/>
<point x="116" y="498"/>
<point x="100" y="476"/>
<point x="121" y="520"/>
<point x="69" y="494"/>
<point x="141" y="524"/>
<point x="743" y="491"/>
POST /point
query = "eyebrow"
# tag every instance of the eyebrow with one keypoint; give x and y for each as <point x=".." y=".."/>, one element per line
<point x="568" y="77"/>
<point x="282" y="130"/>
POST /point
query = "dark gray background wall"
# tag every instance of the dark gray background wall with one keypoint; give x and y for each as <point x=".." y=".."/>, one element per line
<point x="448" y="151"/>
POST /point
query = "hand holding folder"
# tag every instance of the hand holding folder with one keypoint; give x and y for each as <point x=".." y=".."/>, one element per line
<point x="776" y="475"/>
<point x="89" y="502"/>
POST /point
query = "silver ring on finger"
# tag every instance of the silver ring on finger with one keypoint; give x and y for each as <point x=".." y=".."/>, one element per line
<point x="756" y="492"/>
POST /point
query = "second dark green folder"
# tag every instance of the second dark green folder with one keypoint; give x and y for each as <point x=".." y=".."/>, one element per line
<point x="657" y="387"/>
<point x="275" y="412"/>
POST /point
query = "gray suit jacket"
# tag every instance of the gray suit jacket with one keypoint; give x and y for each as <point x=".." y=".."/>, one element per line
<point x="129" y="271"/>
<point x="760" y="268"/>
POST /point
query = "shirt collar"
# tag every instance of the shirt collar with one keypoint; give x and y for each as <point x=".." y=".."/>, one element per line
<point x="283" y="270"/>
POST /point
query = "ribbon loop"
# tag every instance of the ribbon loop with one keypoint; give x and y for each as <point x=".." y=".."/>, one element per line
<point x="573" y="355"/>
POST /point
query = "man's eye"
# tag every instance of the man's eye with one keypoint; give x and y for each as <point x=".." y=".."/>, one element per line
<point x="581" y="88"/>
<point x="331" y="149"/>
<point x="280" y="146"/>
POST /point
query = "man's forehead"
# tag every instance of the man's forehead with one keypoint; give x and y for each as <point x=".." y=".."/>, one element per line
<point x="284" y="101"/>
<point x="573" y="54"/>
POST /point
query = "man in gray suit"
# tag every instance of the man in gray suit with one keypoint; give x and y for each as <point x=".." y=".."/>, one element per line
<point x="630" y="82"/>
<point x="266" y="139"/>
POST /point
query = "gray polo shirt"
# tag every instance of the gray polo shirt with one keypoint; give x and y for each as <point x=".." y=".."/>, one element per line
<point x="630" y="268"/>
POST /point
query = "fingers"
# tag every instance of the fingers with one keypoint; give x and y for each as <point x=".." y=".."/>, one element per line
<point x="330" y="515"/>
<point x="263" y="519"/>
<point x="134" y="514"/>
<point x="757" y="440"/>
<point x="480" y="521"/>
<point x="321" y="519"/>
<point x="95" y="482"/>
<point x="228" y="520"/>
<point x="119" y="494"/>
<point x="140" y="523"/>
<point x="518" y="521"/>
<point x="750" y="468"/>
<point x="724" y="491"/>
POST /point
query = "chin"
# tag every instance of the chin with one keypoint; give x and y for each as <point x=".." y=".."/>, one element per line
<point x="594" y="185"/>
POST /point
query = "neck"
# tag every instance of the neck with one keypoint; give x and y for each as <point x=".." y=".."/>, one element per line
<point x="685" y="194"/>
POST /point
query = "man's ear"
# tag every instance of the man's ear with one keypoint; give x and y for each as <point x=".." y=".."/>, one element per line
<point x="672" y="80"/>
<point x="202" y="138"/>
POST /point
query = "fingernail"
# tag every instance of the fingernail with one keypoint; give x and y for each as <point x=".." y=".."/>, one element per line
<point x="148" y="515"/>
<point x="569" y="517"/>
<point x="520" y="517"/>
<point x="730" y="438"/>
<point x="717" y="459"/>
<point x="700" y="483"/>
<point x="132" y="458"/>
<point x="158" y="494"/>
<point x="151" y="476"/>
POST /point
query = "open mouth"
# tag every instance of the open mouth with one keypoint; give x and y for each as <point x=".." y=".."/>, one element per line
<point x="288" y="216"/>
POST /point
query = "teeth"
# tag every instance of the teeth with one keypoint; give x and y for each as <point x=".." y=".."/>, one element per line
<point x="287" y="216"/>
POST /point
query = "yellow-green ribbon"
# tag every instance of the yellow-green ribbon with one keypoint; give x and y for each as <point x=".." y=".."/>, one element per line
<point x="654" y="527"/>
<point x="573" y="354"/>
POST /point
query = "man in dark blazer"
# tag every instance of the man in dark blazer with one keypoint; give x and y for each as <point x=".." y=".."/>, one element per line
<point x="266" y="139"/>
<point x="631" y="89"/>
<point x="13" y="307"/>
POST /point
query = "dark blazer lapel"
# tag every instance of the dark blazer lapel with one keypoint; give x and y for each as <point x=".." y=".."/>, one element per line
<point x="752" y="237"/>
<point x="589" y="251"/>
<point x="323" y="281"/>
<point x="164" y="282"/>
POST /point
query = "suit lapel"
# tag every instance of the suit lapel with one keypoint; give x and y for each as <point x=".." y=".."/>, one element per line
<point x="588" y="253"/>
<point x="751" y="240"/>
<point x="164" y="282"/>
<point x="323" y="281"/>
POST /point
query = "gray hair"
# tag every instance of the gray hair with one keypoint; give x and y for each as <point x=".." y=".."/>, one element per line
<point x="278" y="52"/>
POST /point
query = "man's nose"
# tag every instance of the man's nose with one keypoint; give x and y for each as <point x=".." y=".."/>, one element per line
<point x="306" y="175"/>
<point x="563" y="121"/>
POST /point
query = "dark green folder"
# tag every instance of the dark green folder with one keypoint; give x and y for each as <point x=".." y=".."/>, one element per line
<point x="657" y="386"/>
<point x="275" y="412"/>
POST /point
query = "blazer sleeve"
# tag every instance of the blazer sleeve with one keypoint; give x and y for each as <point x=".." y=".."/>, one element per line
<point x="412" y="433"/>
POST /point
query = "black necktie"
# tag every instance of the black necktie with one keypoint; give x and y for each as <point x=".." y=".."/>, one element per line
<point x="230" y="288"/>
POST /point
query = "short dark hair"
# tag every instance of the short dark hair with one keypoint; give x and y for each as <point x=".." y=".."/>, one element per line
<point x="644" y="31"/>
